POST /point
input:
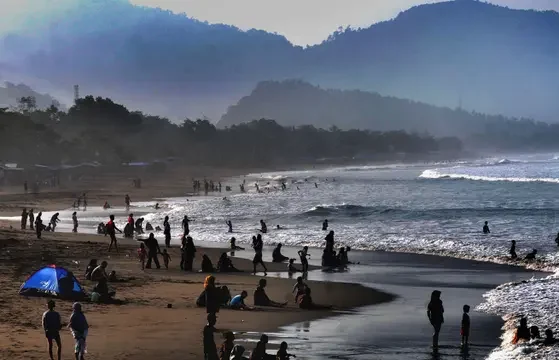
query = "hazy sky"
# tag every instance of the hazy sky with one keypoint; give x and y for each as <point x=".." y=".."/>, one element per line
<point x="301" y="21"/>
<point x="307" y="21"/>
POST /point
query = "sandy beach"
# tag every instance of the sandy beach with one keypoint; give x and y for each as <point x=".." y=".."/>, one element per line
<point x="143" y="327"/>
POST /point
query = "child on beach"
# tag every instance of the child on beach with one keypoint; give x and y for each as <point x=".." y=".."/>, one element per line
<point x="465" y="327"/>
<point x="52" y="325"/>
<point x="166" y="258"/>
<point x="299" y="288"/>
<point x="291" y="267"/>
<point x="303" y="254"/>
<point x="79" y="327"/>
<point x="282" y="352"/>
<point x="142" y="253"/>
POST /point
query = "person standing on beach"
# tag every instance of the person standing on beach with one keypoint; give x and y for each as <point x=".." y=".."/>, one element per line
<point x="212" y="295"/>
<point x="142" y="253"/>
<point x="79" y="327"/>
<point x="24" y="219"/>
<point x="435" y="311"/>
<point x="186" y="225"/>
<point x="153" y="250"/>
<point x="465" y="326"/>
<point x="230" y="225"/>
<point x="210" y="350"/>
<point x="486" y="228"/>
<point x="110" y="229"/>
<point x="54" y="220"/>
<point x="52" y="325"/>
<point x="330" y="241"/>
<point x="189" y="252"/>
<point x="303" y="254"/>
<point x="166" y="258"/>
<point x="258" y="245"/>
<point x="84" y="202"/>
<point x="127" y="202"/>
<point x="39" y="225"/>
<point x="512" y="251"/>
<point x="31" y="219"/>
<point x="167" y="232"/>
<point x="75" y="222"/>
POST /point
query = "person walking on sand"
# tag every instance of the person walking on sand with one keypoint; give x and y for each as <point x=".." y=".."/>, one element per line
<point x="24" y="214"/>
<point x="79" y="327"/>
<point x="435" y="311"/>
<point x="142" y="254"/>
<point x="258" y="245"/>
<point x="465" y="326"/>
<point x="167" y="232"/>
<point x="153" y="250"/>
<point x="166" y="258"/>
<point x="210" y="350"/>
<point x="111" y="229"/>
<point x="75" y="221"/>
<point x="54" y="220"/>
<point x="31" y="219"/>
<point x="52" y="325"/>
<point x="39" y="225"/>
<point x="486" y="228"/>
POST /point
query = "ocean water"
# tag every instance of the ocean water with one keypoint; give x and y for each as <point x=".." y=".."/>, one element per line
<point x="421" y="208"/>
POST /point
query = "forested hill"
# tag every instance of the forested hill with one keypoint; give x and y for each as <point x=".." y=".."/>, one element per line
<point x="491" y="59"/>
<point x="296" y="103"/>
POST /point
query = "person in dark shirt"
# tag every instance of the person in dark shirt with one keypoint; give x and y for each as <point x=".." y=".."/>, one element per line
<point x="263" y="227"/>
<point x="260" y="297"/>
<point x="522" y="331"/>
<point x="532" y="255"/>
<point x="111" y="229"/>
<point x="75" y="222"/>
<point x="258" y="246"/>
<point x="103" y="290"/>
<point x="229" y="225"/>
<point x="277" y="256"/>
<point x="512" y="251"/>
<point x="167" y="232"/>
<point x="225" y="264"/>
<point x="330" y="241"/>
<point x="325" y="225"/>
<point x="186" y="225"/>
<point x="90" y="267"/>
<point x="24" y="214"/>
<point x="282" y="353"/>
<point x="306" y="302"/>
<point x="153" y="250"/>
<point x="52" y="325"/>
<point x="31" y="219"/>
<point x="66" y="286"/>
<point x="207" y="266"/>
<point x="212" y="295"/>
<point x="465" y="326"/>
<point x="549" y="339"/>
<point x="486" y="228"/>
<point x="210" y="350"/>
<point x="259" y="352"/>
<point x="435" y="311"/>
<point x="227" y="346"/>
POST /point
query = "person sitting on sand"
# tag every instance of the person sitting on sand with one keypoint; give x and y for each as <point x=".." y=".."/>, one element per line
<point x="522" y="331"/>
<point x="112" y="276"/>
<point x="534" y="332"/>
<point x="282" y="352"/>
<point x="210" y="350"/>
<point x="238" y="302"/>
<point x="229" y="225"/>
<point x="291" y="269"/>
<point x="225" y="295"/>
<point x="512" y="251"/>
<point x="549" y="339"/>
<point x="227" y="346"/>
<point x="299" y="289"/>
<point x="234" y="245"/>
<point x="66" y="286"/>
<point x="224" y="264"/>
<point x="89" y="269"/>
<point x="259" y="352"/>
<point x="486" y="228"/>
<point x="100" y="272"/>
<point x="263" y="227"/>
<point x="237" y="353"/>
<point x="102" y="288"/>
<point x="207" y="266"/>
<point x="306" y="302"/>
<point x="101" y="229"/>
<point x="149" y="227"/>
<point x="262" y="299"/>
<point x="277" y="256"/>
<point x="532" y="255"/>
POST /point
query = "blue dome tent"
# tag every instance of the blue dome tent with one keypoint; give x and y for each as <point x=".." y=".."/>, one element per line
<point x="52" y="281"/>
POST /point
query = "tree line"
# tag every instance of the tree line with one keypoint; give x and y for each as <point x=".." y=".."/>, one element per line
<point x="98" y="129"/>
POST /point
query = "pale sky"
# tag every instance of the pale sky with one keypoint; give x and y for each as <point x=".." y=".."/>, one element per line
<point x="302" y="22"/>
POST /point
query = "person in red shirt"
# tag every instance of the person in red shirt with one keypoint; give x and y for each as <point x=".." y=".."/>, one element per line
<point x="111" y="231"/>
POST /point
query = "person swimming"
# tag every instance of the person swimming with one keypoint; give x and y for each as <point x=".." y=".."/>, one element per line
<point x="532" y="255"/>
<point x="325" y="225"/>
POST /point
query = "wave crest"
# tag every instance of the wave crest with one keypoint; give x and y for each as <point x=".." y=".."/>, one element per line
<point x="435" y="174"/>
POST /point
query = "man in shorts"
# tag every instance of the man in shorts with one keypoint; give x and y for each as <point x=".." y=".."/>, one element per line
<point x="52" y="325"/>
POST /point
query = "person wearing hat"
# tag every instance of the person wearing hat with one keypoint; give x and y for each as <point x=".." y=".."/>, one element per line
<point x="52" y="325"/>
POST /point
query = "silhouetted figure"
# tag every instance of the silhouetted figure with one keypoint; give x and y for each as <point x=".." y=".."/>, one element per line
<point x="149" y="227"/>
<point x="282" y="353"/>
<point x="549" y="339"/>
<point x="465" y="326"/>
<point x="89" y="269"/>
<point x="325" y="225"/>
<point x="188" y="253"/>
<point x="102" y="288"/>
<point x="212" y="295"/>
<point x="186" y="225"/>
<point x="259" y="352"/>
<point x="75" y="222"/>
<point x="39" y="225"/>
<point x="522" y="331"/>
<point x="167" y="232"/>
<point x="277" y="256"/>
<point x="263" y="227"/>
<point x="303" y="254"/>
<point x="532" y="255"/>
<point x="306" y="302"/>
<point x="166" y="258"/>
<point x="25" y="189"/>
<point x="54" y="220"/>
<point x="512" y="251"/>
<point x="153" y="250"/>
<point x="262" y="299"/>
<point x="534" y="333"/>
<point x="330" y="241"/>
<point x="52" y="325"/>
<point x="138" y="225"/>
<point x="557" y="239"/>
<point x="230" y="225"/>
<point x="486" y="228"/>
<point x="207" y="266"/>
<point x="224" y="264"/>
<point x="299" y="289"/>
<point x="258" y="246"/>
<point x="127" y="202"/>
<point x="210" y="350"/>
<point x="111" y="229"/>
<point x="227" y="346"/>
<point x="31" y="219"/>
<point x="435" y="311"/>
<point x="24" y="214"/>
<point x="234" y="245"/>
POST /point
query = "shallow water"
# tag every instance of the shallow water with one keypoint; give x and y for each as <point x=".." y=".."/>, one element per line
<point x="428" y="208"/>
